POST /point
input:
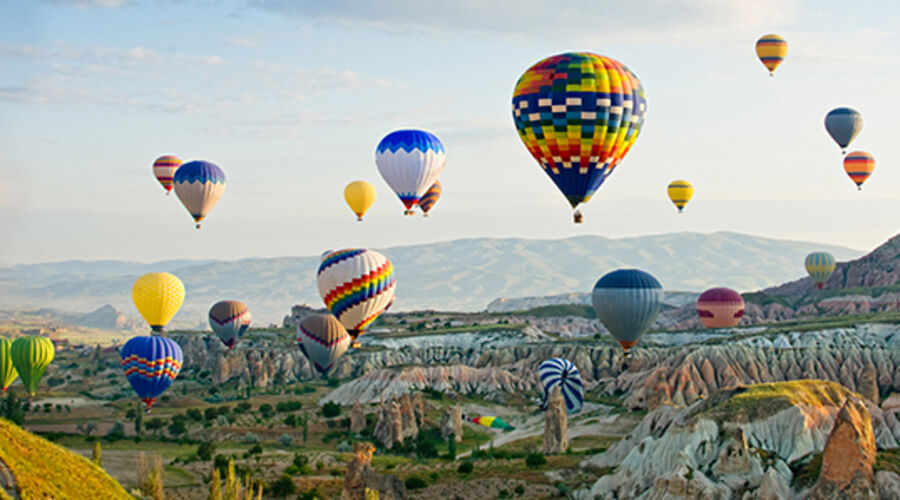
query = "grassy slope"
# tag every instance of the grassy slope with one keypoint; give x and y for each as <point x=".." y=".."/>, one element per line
<point x="45" y="470"/>
<point x="753" y="402"/>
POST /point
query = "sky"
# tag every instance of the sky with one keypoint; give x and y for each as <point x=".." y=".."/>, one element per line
<point x="291" y="98"/>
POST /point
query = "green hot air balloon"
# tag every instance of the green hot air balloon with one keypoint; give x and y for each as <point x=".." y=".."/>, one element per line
<point x="31" y="355"/>
<point x="7" y="370"/>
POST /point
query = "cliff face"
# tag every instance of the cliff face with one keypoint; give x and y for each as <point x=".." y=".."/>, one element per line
<point x="847" y="464"/>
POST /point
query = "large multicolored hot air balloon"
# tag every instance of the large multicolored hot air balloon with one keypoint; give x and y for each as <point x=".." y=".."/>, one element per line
<point x="579" y="115"/>
<point x="843" y="125"/>
<point x="820" y="266"/>
<point x="323" y="340"/>
<point x="357" y="285"/>
<point x="680" y="192"/>
<point x="720" y="308"/>
<point x="199" y="185"/>
<point x="151" y="365"/>
<point x="563" y="373"/>
<point x="410" y="161"/>
<point x="359" y="195"/>
<point x="229" y="319"/>
<point x="31" y="355"/>
<point x="164" y="169"/>
<point x="859" y="165"/>
<point x="771" y="50"/>
<point x="158" y="297"/>
<point x="8" y="372"/>
<point x="492" y="422"/>
<point x="627" y="302"/>
<point x="430" y="198"/>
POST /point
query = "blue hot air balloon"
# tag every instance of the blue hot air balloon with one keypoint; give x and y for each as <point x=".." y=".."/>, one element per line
<point x="627" y="301"/>
<point x="151" y="365"/>
<point x="199" y="185"/>
<point x="564" y="373"/>
<point x="410" y="162"/>
<point x="843" y="125"/>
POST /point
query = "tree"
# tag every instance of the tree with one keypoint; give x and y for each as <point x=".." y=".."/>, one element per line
<point x="285" y="440"/>
<point x="535" y="460"/>
<point x="117" y="431"/>
<point x="177" y="427"/>
<point x="150" y="480"/>
<point x="155" y="424"/>
<point x="96" y="453"/>
<point x="331" y="410"/>
<point x="231" y="483"/>
<point x="206" y="450"/>
<point x="12" y="410"/>
<point x="138" y="421"/>
<point x="305" y="426"/>
<point x="283" y="486"/>
<point x="451" y="446"/>
<point x="215" y="488"/>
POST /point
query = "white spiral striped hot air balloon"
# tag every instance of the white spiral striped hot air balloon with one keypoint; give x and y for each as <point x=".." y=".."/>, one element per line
<point x="357" y="285"/>
<point x="323" y="340"/>
<point x="564" y="373"/>
<point x="410" y="161"/>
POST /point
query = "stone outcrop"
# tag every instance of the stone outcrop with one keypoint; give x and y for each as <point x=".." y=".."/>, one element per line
<point x="451" y="423"/>
<point x="360" y="477"/>
<point x="868" y="384"/>
<point x="397" y="420"/>
<point x="408" y="418"/>
<point x="357" y="418"/>
<point x="298" y="312"/>
<point x="847" y="464"/>
<point x="555" y="424"/>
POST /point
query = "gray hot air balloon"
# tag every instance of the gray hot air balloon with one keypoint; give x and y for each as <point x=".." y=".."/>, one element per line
<point x="323" y="340"/>
<point x="627" y="301"/>
<point x="843" y="125"/>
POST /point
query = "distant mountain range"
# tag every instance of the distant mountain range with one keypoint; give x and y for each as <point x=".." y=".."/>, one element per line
<point x="454" y="275"/>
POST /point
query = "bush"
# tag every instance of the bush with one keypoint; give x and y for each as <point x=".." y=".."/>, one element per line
<point x="285" y="440"/>
<point x="300" y="460"/>
<point x="292" y="470"/>
<point x="520" y="490"/>
<point x="205" y="451"/>
<point x="282" y="487"/>
<point x="288" y="406"/>
<point x="331" y="410"/>
<point x="251" y="438"/>
<point x="465" y="468"/>
<point x="535" y="460"/>
<point x="333" y="382"/>
<point x="415" y="483"/>
<point x="117" y="431"/>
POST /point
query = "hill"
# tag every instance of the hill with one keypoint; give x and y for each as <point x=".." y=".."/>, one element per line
<point x="41" y="469"/>
<point x="455" y="275"/>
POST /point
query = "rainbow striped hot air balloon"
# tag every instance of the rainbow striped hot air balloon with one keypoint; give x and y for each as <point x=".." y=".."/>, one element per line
<point x="859" y="165"/>
<point x="164" y="170"/>
<point x="199" y="185"/>
<point x="720" y="308"/>
<point x="820" y="266"/>
<point x="357" y="285"/>
<point x="410" y="161"/>
<point x="323" y="340"/>
<point x="771" y="50"/>
<point x="578" y="114"/>
<point x="430" y="198"/>
<point x="492" y="422"/>
<point x="229" y="319"/>
<point x="151" y="365"/>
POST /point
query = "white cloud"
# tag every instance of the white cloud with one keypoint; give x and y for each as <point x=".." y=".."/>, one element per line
<point x="243" y="41"/>
<point x="84" y="4"/>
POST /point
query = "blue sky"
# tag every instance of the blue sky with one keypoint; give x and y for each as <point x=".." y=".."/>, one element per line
<point x="290" y="99"/>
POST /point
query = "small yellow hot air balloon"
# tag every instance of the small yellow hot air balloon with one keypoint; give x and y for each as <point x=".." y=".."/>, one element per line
<point x="360" y="195"/>
<point x="158" y="297"/>
<point x="680" y="193"/>
<point x="771" y="50"/>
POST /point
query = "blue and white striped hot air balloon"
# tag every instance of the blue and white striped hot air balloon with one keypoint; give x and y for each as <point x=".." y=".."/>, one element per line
<point x="564" y="373"/>
<point x="199" y="185"/>
<point x="627" y="301"/>
<point x="410" y="161"/>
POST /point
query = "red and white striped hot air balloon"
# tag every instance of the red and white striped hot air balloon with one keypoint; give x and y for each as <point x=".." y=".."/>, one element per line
<point x="720" y="308"/>
<point x="164" y="170"/>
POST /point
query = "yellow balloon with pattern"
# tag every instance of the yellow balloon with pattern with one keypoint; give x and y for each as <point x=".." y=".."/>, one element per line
<point x="158" y="297"/>
<point x="771" y="50"/>
<point x="680" y="192"/>
<point x="360" y="195"/>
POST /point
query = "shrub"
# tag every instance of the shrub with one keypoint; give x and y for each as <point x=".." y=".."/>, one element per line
<point x="251" y="438"/>
<point x="465" y="468"/>
<point x="285" y="440"/>
<point x="117" y="431"/>
<point x="331" y="410"/>
<point x="205" y="451"/>
<point x="535" y="460"/>
<point x="282" y="487"/>
<point x="520" y="490"/>
<point x="288" y="406"/>
<point x="415" y="483"/>
<point x="300" y="460"/>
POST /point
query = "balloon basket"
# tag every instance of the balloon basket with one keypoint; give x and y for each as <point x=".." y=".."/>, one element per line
<point x="359" y="219"/>
<point x="578" y="217"/>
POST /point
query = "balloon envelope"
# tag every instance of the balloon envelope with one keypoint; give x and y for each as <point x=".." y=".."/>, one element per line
<point x="680" y="192"/>
<point x="563" y="373"/>
<point x="843" y="125"/>
<point x="430" y="197"/>
<point x="199" y="185"/>
<point x="151" y="365"/>
<point x="578" y="114"/>
<point x="493" y="422"/>
<point x="410" y="161"/>
<point x="859" y="165"/>
<point x="820" y="266"/>
<point x="164" y="169"/>
<point x="229" y="319"/>
<point x="720" y="308"/>
<point x="359" y="195"/>
<point x="357" y="285"/>
<point x="31" y="355"/>
<point x="771" y="50"/>
<point x="8" y="372"/>
<point x="627" y="301"/>
<point x="158" y="297"/>
<point x="323" y="340"/>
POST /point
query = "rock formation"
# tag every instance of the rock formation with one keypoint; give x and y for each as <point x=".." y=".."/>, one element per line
<point x="451" y="423"/>
<point x="849" y="457"/>
<point x="555" y="424"/>
<point x="389" y="428"/>
<point x="357" y="418"/>
<point x="868" y="384"/>
<point x="418" y="405"/>
<point x="408" y="418"/>
<point x="298" y="312"/>
<point x="360" y="477"/>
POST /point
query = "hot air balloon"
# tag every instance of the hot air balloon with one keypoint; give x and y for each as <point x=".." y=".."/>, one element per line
<point x="680" y="192"/>
<point x="151" y="365"/>
<point x="356" y="285"/>
<point x="229" y="319"/>
<point x="31" y="355"/>
<point x="359" y="195"/>
<point x="720" y="308"/>
<point x="410" y="161"/>
<point x="820" y="265"/>
<point x="492" y="422"/>
<point x="323" y="340"/>
<point x="158" y="297"/>
<point x="859" y="165"/>
<point x="563" y="373"/>
<point x="579" y="115"/>
<point x="430" y="198"/>
<point x="199" y="185"/>
<point x="771" y="50"/>
<point x="627" y="301"/>
<point x="7" y="370"/>
<point x="164" y="169"/>
<point x="843" y="125"/>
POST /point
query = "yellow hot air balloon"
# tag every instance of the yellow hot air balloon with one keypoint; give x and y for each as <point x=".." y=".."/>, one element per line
<point x="158" y="297"/>
<point x="680" y="193"/>
<point x="771" y="50"/>
<point x="360" y="195"/>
